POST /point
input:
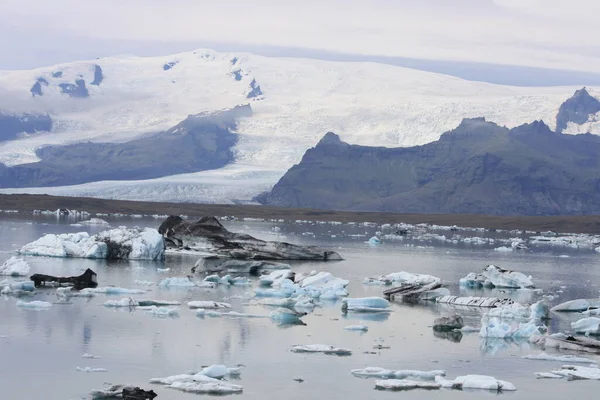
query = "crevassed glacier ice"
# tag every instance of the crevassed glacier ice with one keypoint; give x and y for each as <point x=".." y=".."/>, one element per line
<point x="15" y="266"/>
<point x="119" y="243"/>
<point x="483" y="382"/>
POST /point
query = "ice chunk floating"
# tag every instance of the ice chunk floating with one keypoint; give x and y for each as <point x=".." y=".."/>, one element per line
<point x="482" y="382"/>
<point x="493" y="276"/>
<point x="15" y="266"/>
<point x="321" y="348"/>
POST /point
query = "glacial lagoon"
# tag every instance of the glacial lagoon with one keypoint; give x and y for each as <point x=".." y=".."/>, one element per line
<point x="42" y="349"/>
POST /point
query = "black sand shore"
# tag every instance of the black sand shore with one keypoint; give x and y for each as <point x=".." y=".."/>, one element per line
<point x="28" y="203"/>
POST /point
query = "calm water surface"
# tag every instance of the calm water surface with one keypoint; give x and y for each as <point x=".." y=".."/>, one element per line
<point x="40" y="350"/>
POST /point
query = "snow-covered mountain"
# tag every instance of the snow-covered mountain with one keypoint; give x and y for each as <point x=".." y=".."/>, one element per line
<point x="293" y="101"/>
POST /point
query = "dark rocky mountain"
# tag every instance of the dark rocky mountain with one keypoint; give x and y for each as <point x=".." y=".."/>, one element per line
<point x="577" y="109"/>
<point x="477" y="168"/>
<point x="200" y="142"/>
<point x="11" y="126"/>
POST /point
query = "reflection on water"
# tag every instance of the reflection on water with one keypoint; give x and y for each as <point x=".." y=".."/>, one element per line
<point x="136" y="346"/>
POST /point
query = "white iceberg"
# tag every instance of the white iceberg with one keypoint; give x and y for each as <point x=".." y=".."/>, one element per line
<point x="94" y="221"/>
<point x="18" y="288"/>
<point x="476" y="382"/>
<point x="376" y="372"/>
<point x="15" y="266"/>
<point x="536" y="311"/>
<point x="561" y="358"/>
<point x="503" y="329"/>
<point x="374" y="241"/>
<point x="126" y="302"/>
<point x="503" y="249"/>
<point x="366" y="304"/>
<point x="120" y="243"/>
<point x="86" y="355"/>
<point x="160" y="311"/>
<point x="578" y="305"/>
<point x="109" y="290"/>
<point x="90" y="369"/>
<point x="179" y="281"/>
<point x="401" y="277"/>
<point x="360" y="328"/>
<point x="473" y="301"/>
<point x="493" y="276"/>
<point x="316" y="285"/>
<point x="203" y="382"/>
<point x="208" y="305"/>
<point x="285" y="316"/>
<point x="575" y="372"/>
<point x="589" y="326"/>
<point x="212" y="387"/>
<point x="321" y="348"/>
<point x="34" y="305"/>
<point x="405" y="384"/>
<point x="218" y="371"/>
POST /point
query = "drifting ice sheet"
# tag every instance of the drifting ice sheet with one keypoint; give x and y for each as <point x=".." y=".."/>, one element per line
<point x="321" y="348"/>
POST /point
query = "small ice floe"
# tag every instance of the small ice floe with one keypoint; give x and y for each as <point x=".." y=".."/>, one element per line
<point x="366" y="304"/>
<point x="163" y="269"/>
<point x="493" y="276"/>
<point x="15" y="266"/>
<point x="498" y="328"/>
<point x="592" y="311"/>
<point x="473" y="301"/>
<point x="376" y="372"/>
<point x="589" y="326"/>
<point x="144" y="283"/>
<point x="561" y="358"/>
<point x="208" y="305"/>
<point x="374" y="241"/>
<point x="86" y="355"/>
<point x="572" y="373"/>
<point x="536" y="311"/>
<point x="183" y="282"/>
<point x="94" y="221"/>
<point x="34" y="305"/>
<point x="228" y="280"/>
<point x="578" y="305"/>
<point x="231" y="314"/>
<point x="321" y="348"/>
<point x="359" y="328"/>
<point x="207" y="381"/>
<point x="285" y="316"/>
<point x="482" y="382"/>
<point x="125" y="243"/>
<point x="150" y="303"/>
<point x="126" y="302"/>
<point x="405" y="384"/>
<point x="18" y="288"/>
<point x="563" y="342"/>
<point x="447" y="324"/>
<point x="503" y="249"/>
<point x="318" y="285"/>
<point x="90" y="369"/>
<point x="401" y="277"/>
<point x="160" y="311"/>
<point x="302" y="303"/>
<point x="109" y="290"/>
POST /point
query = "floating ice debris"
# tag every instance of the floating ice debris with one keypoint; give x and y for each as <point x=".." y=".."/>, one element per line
<point x="203" y="384"/>
<point x="321" y="285"/>
<point x="220" y="371"/>
<point x="90" y="369"/>
<point x="275" y="278"/>
<point x="366" y="304"/>
<point x="110" y="290"/>
<point x="111" y="392"/>
<point x="536" y="311"/>
<point x="228" y="280"/>
<point x="177" y="281"/>
<point x="15" y="266"/>
<point x="231" y="314"/>
<point x="285" y="316"/>
<point x="573" y="372"/>
<point x="360" y="328"/>
<point x="213" y="387"/>
<point x="34" y="305"/>
<point x="160" y="311"/>
<point x="493" y="276"/>
<point x="374" y="241"/>
<point x="321" y="348"/>
<point x="503" y="249"/>
<point x="405" y="384"/>
<point x="446" y="324"/>
<point x="126" y="302"/>
<point x="120" y="243"/>
<point x="17" y="288"/>
<point x="564" y="342"/>
<point x="498" y="328"/>
<point x="376" y="372"/>
<point x="94" y="221"/>
<point x="66" y="292"/>
<point x="561" y="358"/>
<point x="576" y="305"/>
<point x="163" y="269"/>
<point x="86" y="355"/>
<point x="547" y="375"/>
<point x="144" y="283"/>
<point x="589" y="326"/>
<point x="146" y="303"/>
<point x="208" y="305"/>
<point x="401" y="277"/>
<point x="476" y="382"/>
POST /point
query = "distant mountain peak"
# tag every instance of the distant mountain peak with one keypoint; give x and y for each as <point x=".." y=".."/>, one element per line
<point x="330" y="138"/>
<point x="577" y="109"/>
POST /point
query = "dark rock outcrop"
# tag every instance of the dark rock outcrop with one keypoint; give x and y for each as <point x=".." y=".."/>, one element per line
<point x="478" y="168"/>
<point x="98" y="76"/>
<point x="577" y="109"/>
<point x="207" y="234"/>
<point x="13" y="125"/>
<point x="57" y="74"/>
<point x="200" y="142"/>
<point x="77" y="90"/>
<point x="255" y="90"/>
<point x="237" y="74"/>
<point x="169" y="65"/>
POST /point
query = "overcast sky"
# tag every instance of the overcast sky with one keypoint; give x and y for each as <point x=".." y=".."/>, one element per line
<point x="559" y="34"/>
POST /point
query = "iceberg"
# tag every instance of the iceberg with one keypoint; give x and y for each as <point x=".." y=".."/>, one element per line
<point x="86" y="355"/>
<point x="497" y="328"/>
<point x="201" y="312"/>
<point x="401" y="277"/>
<point x="574" y="372"/>
<point x="493" y="276"/>
<point x="160" y="311"/>
<point x="285" y="316"/>
<point x="94" y="221"/>
<point x="177" y="281"/>
<point x="472" y="301"/>
<point x="220" y="371"/>
<point x="578" y="305"/>
<point x="536" y="311"/>
<point x="376" y="372"/>
<point x="476" y="382"/>
<point x="203" y="382"/>
<point x="252" y="267"/>
<point x="405" y="384"/>
<point x="109" y="290"/>
<point x="34" y="305"/>
<point x="360" y="328"/>
<point x="365" y="304"/>
<point x="318" y="285"/>
<point x="213" y="387"/>
<point x="589" y="326"/>
<point x="149" y="303"/>
<point x="208" y="305"/>
<point x="90" y="369"/>
<point x="126" y="302"/>
<point x="18" y="288"/>
<point x="321" y="348"/>
<point x="120" y="243"/>
<point x="15" y="266"/>
<point x="561" y="358"/>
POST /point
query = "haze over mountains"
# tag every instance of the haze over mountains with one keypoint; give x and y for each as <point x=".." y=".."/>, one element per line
<point x="222" y="127"/>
